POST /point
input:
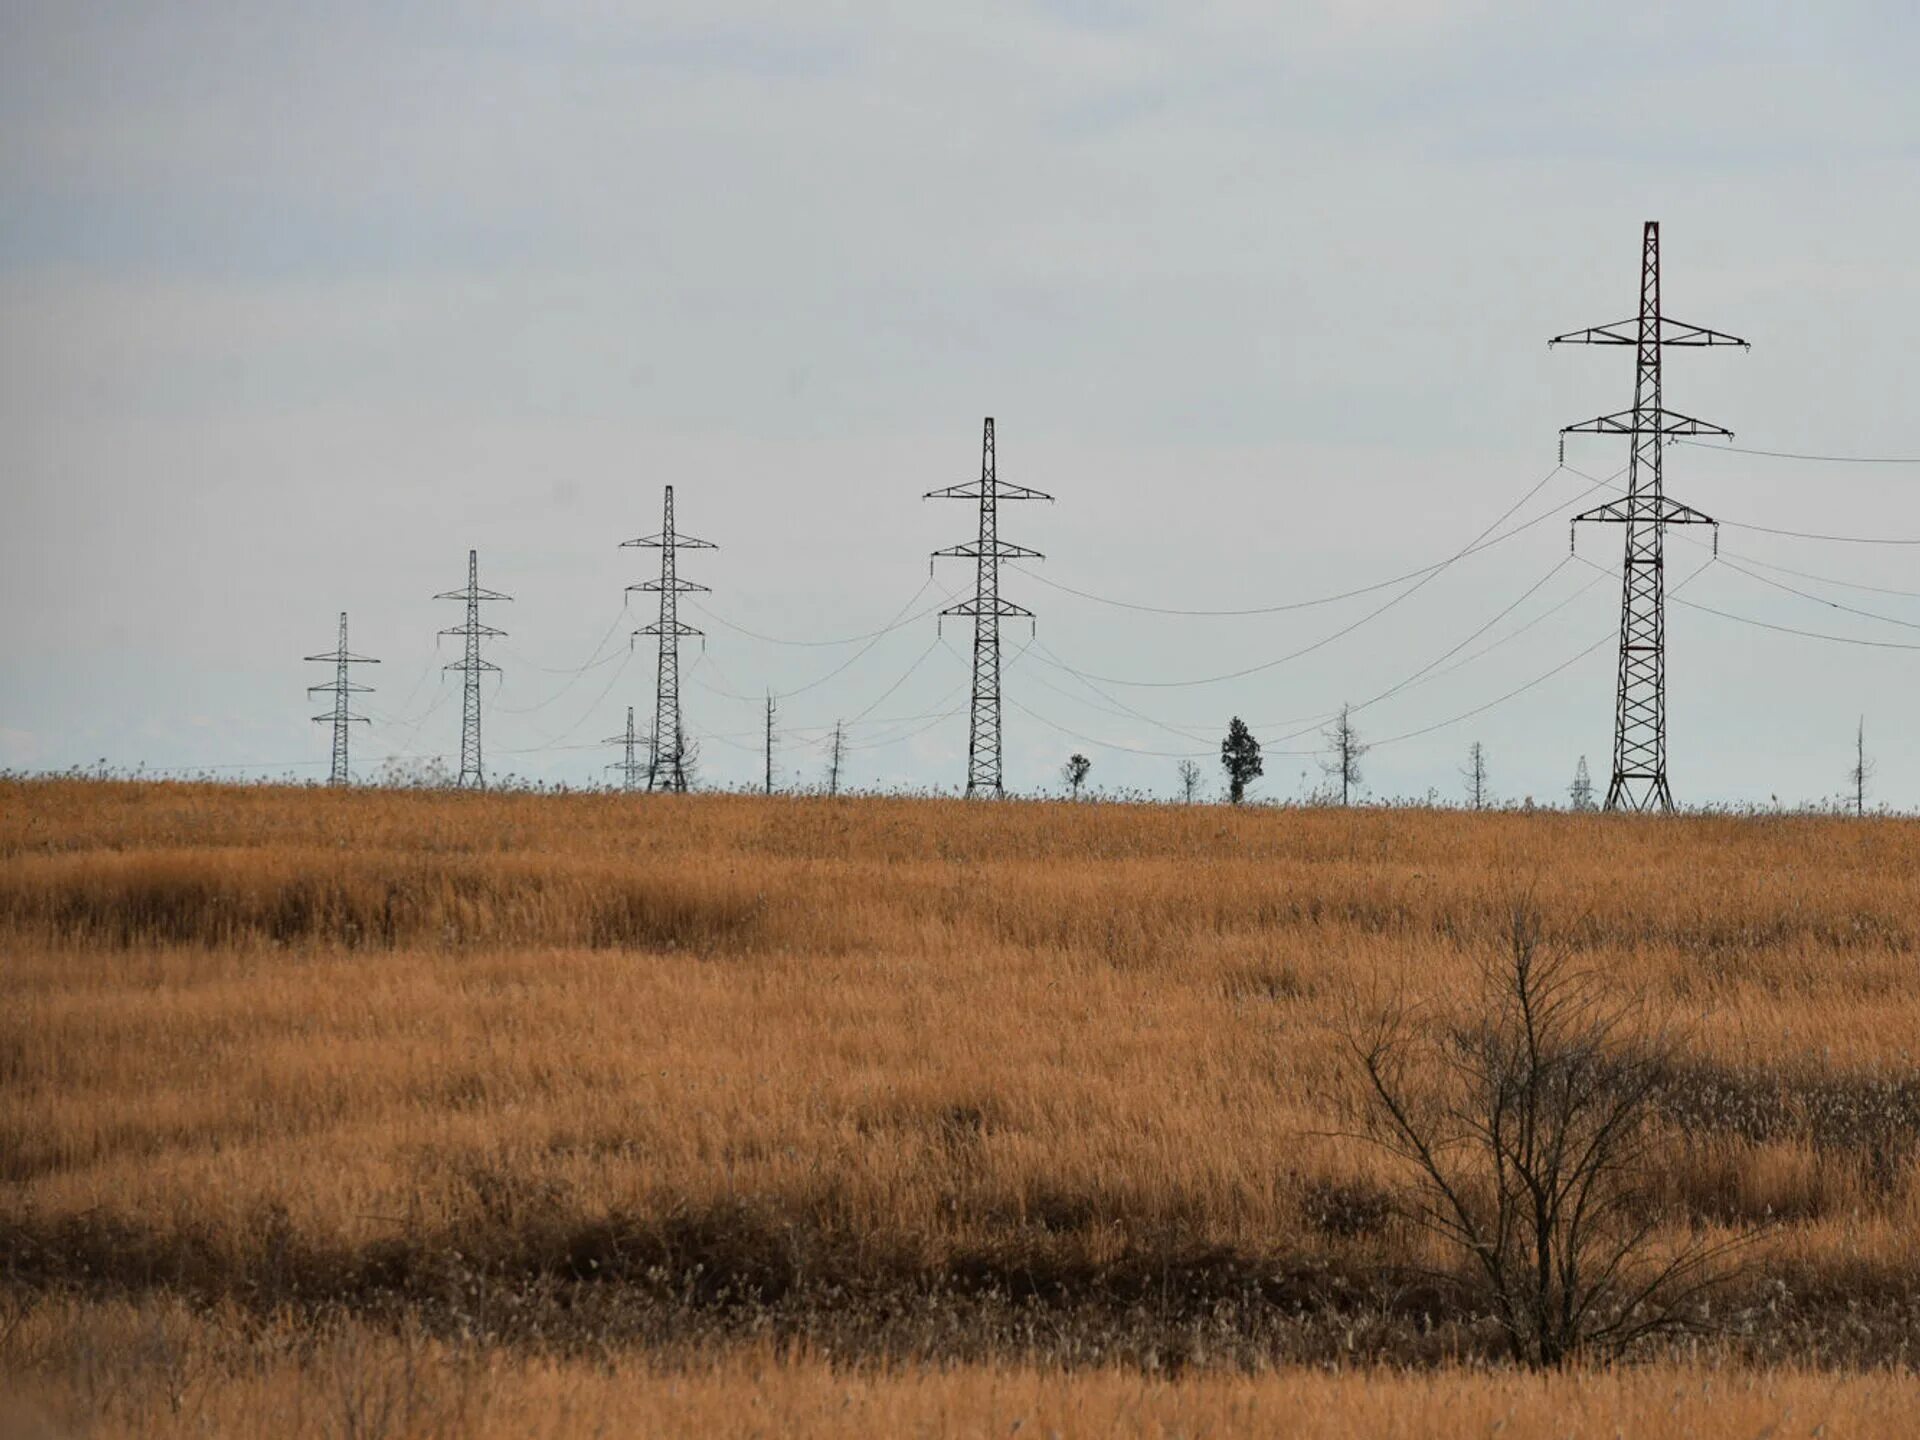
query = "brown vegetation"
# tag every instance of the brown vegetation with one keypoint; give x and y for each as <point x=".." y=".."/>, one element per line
<point x="1016" y="1084"/>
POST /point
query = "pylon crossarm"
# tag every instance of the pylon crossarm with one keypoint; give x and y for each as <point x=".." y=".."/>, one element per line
<point x="475" y="665"/>
<point x="1001" y="491"/>
<point x="675" y="627"/>
<point x="1620" y="332"/>
<point x="659" y="542"/>
<point x="1618" y="423"/>
<point x="677" y="585"/>
<point x="1002" y="549"/>
<point x="334" y="687"/>
<point x="1612" y="512"/>
<point x="1665" y="512"/>
<point x="471" y="593"/>
<point x="483" y="631"/>
<point x="1678" y="332"/>
<point x="1674" y="424"/>
<point x="1670" y="422"/>
<point x="1672" y="512"/>
<point x="976" y="607"/>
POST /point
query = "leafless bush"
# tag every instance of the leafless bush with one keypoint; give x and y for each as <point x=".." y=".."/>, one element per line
<point x="1530" y="1136"/>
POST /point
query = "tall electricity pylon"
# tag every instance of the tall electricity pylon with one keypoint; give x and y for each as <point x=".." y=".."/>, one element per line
<point x="630" y="766"/>
<point x="666" y="765"/>
<point x="1640" y="699"/>
<point x="986" y="607"/>
<point x="340" y="687"/>
<point x="473" y="775"/>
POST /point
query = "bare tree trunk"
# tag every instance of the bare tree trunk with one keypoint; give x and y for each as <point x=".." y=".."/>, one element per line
<point x="770" y="714"/>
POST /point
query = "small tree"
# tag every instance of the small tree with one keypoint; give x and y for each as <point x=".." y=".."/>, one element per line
<point x="1189" y="780"/>
<point x="771" y="712"/>
<point x="662" y="772"/>
<point x="836" y="757"/>
<point x="414" y="773"/>
<point x="1862" y="770"/>
<point x="1074" y="772"/>
<point x="1580" y="793"/>
<point x="1240" y="757"/>
<point x="1344" y="764"/>
<point x="1474" y="772"/>
<point x="1528" y="1133"/>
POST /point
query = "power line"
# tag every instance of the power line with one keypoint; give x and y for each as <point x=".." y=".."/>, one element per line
<point x="1793" y="534"/>
<point x="1726" y="554"/>
<point x="1820" y="600"/>
<point x="900" y="621"/>
<point x="1770" y="625"/>
<point x="1418" y="675"/>
<point x="1796" y="455"/>
<point x="1481" y="543"/>
<point x="895" y="624"/>
<point x="886" y="693"/>
<point x="1808" y="634"/>
<point x="1507" y="610"/>
<point x="552" y="741"/>
<point x="593" y="661"/>
<point x="1538" y="679"/>
<point x="1815" y="535"/>
<point x="1424" y="575"/>
<point x="1433" y="669"/>
<point x="911" y="734"/>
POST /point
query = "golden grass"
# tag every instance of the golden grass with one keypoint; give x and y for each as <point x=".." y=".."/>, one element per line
<point x="172" y="1373"/>
<point x="880" y="1042"/>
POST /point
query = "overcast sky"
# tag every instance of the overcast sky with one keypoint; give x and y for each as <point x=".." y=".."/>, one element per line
<point x="298" y="303"/>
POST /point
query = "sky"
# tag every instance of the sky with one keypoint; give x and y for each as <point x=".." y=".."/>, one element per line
<point x="298" y="304"/>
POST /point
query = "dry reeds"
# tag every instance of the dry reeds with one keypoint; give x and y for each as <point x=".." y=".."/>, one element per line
<point x="675" y="1062"/>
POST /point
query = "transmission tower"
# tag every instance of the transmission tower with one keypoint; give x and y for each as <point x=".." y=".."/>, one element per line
<point x="473" y="774"/>
<point x="630" y="766"/>
<point x="666" y="765"/>
<point x="340" y="687"/>
<point x="986" y="607"/>
<point x="1640" y="699"/>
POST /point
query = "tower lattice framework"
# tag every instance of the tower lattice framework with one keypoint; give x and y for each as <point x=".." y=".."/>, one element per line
<point x="666" y="765"/>
<point x="473" y="774"/>
<point x="341" y="716"/>
<point x="987" y="608"/>
<point x="630" y="765"/>
<point x="1640" y="697"/>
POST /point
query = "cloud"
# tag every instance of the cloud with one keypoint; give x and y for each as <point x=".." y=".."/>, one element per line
<point x="296" y="304"/>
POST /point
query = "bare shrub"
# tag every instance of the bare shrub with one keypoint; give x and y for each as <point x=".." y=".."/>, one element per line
<point x="1530" y="1137"/>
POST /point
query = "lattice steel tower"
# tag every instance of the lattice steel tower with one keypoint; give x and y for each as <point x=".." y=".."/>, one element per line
<point x="987" y="608"/>
<point x="340" y="687"/>
<point x="630" y="766"/>
<point x="473" y="775"/>
<point x="1640" y="700"/>
<point x="666" y="764"/>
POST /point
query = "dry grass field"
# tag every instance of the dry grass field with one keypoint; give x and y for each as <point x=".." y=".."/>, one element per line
<point x="414" y="1113"/>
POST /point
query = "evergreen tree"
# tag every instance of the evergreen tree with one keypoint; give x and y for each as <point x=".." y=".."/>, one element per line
<point x="1240" y="757"/>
